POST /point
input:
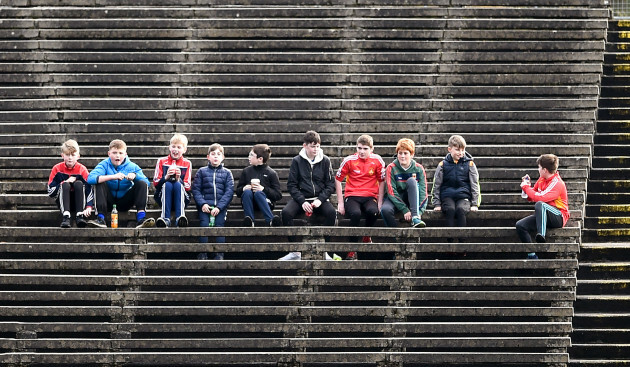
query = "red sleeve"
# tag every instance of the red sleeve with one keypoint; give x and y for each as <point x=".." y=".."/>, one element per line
<point x="342" y="172"/>
<point x="550" y="193"/>
<point x="84" y="173"/>
<point x="188" y="178"/>
<point x="53" y="173"/>
<point x="158" y="172"/>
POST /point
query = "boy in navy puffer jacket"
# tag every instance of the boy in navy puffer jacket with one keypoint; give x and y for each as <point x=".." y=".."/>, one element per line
<point x="213" y="189"/>
<point x="456" y="184"/>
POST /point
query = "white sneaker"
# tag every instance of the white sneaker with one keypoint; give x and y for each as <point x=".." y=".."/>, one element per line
<point x="292" y="256"/>
<point x="335" y="257"/>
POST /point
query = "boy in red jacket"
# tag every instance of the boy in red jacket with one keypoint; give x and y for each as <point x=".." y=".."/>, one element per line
<point x="550" y="194"/>
<point x="172" y="181"/>
<point x="68" y="185"/>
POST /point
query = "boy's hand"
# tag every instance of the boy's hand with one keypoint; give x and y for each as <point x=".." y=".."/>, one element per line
<point x="247" y="187"/>
<point x="474" y="208"/>
<point x="307" y="207"/>
<point x="215" y="211"/>
<point x="87" y="212"/>
<point x="205" y="208"/>
<point x="439" y="209"/>
<point x="258" y="188"/>
<point x="71" y="179"/>
<point x="407" y="216"/>
<point x="316" y="203"/>
<point x="131" y="176"/>
<point x="118" y="176"/>
<point x="340" y="208"/>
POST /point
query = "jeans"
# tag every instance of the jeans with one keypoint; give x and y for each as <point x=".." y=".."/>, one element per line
<point x="410" y="197"/>
<point x="251" y="200"/>
<point x="219" y="221"/>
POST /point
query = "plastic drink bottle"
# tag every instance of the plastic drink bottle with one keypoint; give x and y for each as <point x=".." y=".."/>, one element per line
<point x="212" y="218"/>
<point x="114" y="217"/>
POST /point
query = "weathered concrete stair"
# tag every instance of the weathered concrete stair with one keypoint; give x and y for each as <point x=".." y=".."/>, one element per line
<point x="601" y="328"/>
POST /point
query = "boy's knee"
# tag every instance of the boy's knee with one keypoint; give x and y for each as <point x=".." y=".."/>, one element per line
<point x="412" y="182"/>
<point x="78" y="185"/>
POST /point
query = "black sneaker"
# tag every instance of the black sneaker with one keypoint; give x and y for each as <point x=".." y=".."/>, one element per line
<point x="182" y="221"/>
<point x="65" y="222"/>
<point x="81" y="222"/>
<point x="540" y="238"/>
<point x="276" y="221"/>
<point x="162" y="222"/>
<point x="146" y="223"/>
<point x="248" y="222"/>
<point x="97" y="223"/>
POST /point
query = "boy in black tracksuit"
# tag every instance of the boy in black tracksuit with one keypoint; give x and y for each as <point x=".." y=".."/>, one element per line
<point x="311" y="182"/>
<point x="259" y="187"/>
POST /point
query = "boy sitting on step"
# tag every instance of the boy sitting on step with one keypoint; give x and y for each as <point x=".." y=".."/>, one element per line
<point x="259" y="187"/>
<point x="455" y="189"/>
<point x="117" y="180"/>
<point x="406" y="187"/>
<point x="551" y="198"/>
<point x="172" y="177"/>
<point x="213" y="189"/>
<point x="67" y="184"/>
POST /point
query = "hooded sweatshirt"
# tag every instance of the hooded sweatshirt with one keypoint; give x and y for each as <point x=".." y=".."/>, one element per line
<point x="310" y="179"/>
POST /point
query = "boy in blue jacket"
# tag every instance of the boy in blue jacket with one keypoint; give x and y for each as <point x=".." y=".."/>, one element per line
<point x="213" y="189"/>
<point x="456" y="184"/>
<point x="119" y="181"/>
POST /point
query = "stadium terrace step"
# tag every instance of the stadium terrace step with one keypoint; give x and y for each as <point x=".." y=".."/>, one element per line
<point x="517" y="79"/>
<point x="482" y="218"/>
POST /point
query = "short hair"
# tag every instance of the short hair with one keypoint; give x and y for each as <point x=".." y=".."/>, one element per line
<point x="366" y="140"/>
<point x="117" y="144"/>
<point x="215" y="146"/>
<point x="549" y="162"/>
<point x="406" y="144"/>
<point x="312" y="137"/>
<point x="179" y="138"/>
<point x="457" y="141"/>
<point x="263" y="151"/>
<point x="70" y="146"/>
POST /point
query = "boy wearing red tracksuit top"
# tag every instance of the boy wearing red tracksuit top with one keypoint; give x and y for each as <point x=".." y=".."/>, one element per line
<point x="550" y="195"/>
<point x="172" y="178"/>
<point x="364" y="174"/>
<point x="67" y="184"/>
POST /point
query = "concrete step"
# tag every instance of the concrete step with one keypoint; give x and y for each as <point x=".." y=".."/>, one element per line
<point x="604" y="252"/>
<point x="612" y="351"/>
<point x="606" y="222"/>
<point x="609" y="185"/>
<point x="610" y="173"/>
<point x="601" y="270"/>
<point x="608" y="198"/>
<point x="606" y="235"/>
<point x="611" y="161"/>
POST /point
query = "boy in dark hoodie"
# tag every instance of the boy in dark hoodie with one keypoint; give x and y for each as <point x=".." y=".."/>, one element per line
<point x="456" y="184"/>
<point x="310" y="184"/>
<point x="259" y="187"/>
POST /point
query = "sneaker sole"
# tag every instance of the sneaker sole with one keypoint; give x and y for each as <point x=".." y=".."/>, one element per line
<point x="96" y="225"/>
<point x="160" y="223"/>
<point x="149" y="223"/>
